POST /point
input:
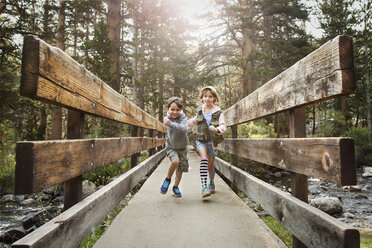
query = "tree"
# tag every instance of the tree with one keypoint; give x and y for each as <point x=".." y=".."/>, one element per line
<point x="337" y="18"/>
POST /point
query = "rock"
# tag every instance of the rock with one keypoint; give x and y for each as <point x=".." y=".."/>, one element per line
<point x="20" y="197"/>
<point x="349" y="216"/>
<point x="29" y="201"/>
<point x="278" y="174"/>
<point x="8" y="198"/>
<point x="34" y="219"/>
<point x="367" y="174"/>
<point x="49" y="191"/>
<point x="368" y="187"/>
<point x="330" y="205"/>
<point x="361" y="196"/>
<point x="267" y="176"/>
<point x="367" y="169"/>
<point x="324" y="188"/>
<point x="355" y="188"/>
<point x="88" y="188"/>
<point x="12" y="235"/>
<point x="368" y="220"/>
<point x="286" y="174"/>
<point x="313" y="189"/>
<point x="58" y="192"/>
<point x="58" y="199"/>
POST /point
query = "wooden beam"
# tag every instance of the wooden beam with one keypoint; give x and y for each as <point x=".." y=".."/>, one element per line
<point x="331" y="159"/>
<point x="323" y="74"/>
<point x="41" y="164"/>
<point x="71" y="227"/>
<point x="50" y="75"/>
<point x="312" y="226"/>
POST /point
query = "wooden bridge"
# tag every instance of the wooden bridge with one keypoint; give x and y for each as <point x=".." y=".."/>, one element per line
<point x="151" y="219"/>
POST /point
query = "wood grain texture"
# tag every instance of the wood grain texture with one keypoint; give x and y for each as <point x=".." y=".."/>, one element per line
<point x="330" y="159"/>
<point x="42" y="164"/>
<point x="323" y="74"/>
<point x="310" y="225"/>
<point x="50" y="75"/>
<point x="71" y="227"/>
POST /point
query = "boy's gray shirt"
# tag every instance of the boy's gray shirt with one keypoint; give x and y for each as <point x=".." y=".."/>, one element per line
<point x="177" y="132"/>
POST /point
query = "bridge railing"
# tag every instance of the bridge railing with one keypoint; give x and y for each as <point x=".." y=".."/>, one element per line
<point x="324" y="74"/>
<point x="51" y="76"/>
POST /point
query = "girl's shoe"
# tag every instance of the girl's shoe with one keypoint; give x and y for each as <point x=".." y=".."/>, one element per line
<point x="205" y="192"/>
<point x="164" y="187"/>
<point x="212" y="188"/>
<point x="176" y="192"/>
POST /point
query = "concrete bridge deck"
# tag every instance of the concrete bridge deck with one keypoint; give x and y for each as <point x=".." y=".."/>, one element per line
<point x="152" y="219"/>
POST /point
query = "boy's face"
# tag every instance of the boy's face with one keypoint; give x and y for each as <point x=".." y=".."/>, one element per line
<point x="174" y="110"/>
<point x="208" y="98"/>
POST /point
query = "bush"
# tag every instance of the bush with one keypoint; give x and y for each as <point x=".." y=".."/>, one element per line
<point x="363" y="146"/>
<point x="7" y="156"/>
<point x="334" y="126"/>
<point x="258" y="129"/>
<point x="103" y="175"/>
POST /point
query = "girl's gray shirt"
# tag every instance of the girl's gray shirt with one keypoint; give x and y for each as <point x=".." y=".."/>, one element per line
<point x="177" y="132"/>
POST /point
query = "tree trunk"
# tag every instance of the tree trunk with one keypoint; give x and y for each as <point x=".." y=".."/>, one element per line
<point x="248" y="47"/>
<point x="2" y="6"/>
<point x="113" y="22"/>
<point x="43" y="123"/>
<point x="313" y="131"/>
<point x="56" y="132"/>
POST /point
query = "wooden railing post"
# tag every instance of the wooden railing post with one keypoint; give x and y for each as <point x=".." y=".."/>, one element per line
<point x="73" y="187"/>
<point x="134" y="157"/>
<point x="234" y="135"/>
<point x="151" y="135"/>
<point x="299" y="184"/>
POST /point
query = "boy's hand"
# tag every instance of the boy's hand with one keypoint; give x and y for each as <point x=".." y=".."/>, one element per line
<point x="167" y="122"/>
<point x="214" y="129"/>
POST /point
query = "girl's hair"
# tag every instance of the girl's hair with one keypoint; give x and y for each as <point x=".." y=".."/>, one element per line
<point x="175" y="100"/>
<point x="212" y="90"/>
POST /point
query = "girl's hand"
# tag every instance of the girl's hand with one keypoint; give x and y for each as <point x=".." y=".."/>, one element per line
<point x="167" y="122"/>
<point x="214" y="129"/>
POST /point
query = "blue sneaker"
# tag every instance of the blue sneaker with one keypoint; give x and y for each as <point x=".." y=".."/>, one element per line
<point x="164" y="187"/>
<point x="205" y="192"/>
<point x="176" y="192"/>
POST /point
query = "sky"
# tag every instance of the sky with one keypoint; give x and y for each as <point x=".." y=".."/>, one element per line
<point x="192" y="8"/>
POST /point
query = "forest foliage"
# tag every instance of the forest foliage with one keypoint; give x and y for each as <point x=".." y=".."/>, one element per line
<point x="150" y="50"/>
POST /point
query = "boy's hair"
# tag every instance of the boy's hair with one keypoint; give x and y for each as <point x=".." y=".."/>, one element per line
<point x="175" y="100"/>
<point x="212" y="90"/>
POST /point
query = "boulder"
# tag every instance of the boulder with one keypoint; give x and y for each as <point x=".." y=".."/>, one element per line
<point x="34" y="219"/>
<point x="88" y="188"/>
<point x="12" y="235"/>
<point x="8" y="198"/>
<point x="330" y="205"/>
<point x="278" y="174"/>
<point x="28" y="202"/>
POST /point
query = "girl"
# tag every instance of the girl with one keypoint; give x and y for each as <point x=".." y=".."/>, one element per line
<point x="210" y="123"/>
<point x="177" y="140"/>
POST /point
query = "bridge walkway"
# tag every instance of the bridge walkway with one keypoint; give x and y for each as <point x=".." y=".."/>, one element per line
<point x="152" y="219"/>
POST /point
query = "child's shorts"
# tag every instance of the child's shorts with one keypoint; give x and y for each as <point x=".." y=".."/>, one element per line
<point x="208" y="145"/>
<point x="181" y="155"/>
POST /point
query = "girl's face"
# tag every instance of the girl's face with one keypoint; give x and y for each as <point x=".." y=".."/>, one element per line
<point x="208" y="98"/>
<point x="174" y="110"/>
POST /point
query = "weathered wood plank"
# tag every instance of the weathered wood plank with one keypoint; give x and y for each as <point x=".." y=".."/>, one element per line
<point x="71" y="227"/>
<point x="325" y="73"/>
<point x="50" y="75"/>
<point x="41" y="164"/>
<point x="331" y="159"/>
<point x="312" y="226"/>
